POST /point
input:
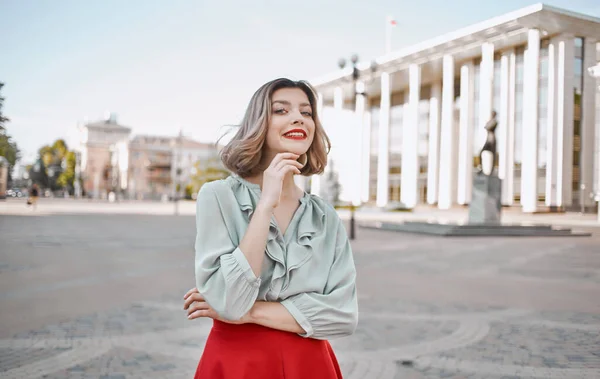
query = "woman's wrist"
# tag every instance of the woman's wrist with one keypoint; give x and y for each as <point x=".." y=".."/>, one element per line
<point x="264" y="208"/>
<point x="253" y="314"/>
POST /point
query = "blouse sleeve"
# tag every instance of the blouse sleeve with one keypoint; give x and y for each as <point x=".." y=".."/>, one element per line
<point x="223" y="275"/>
<point x="333" y="313"/>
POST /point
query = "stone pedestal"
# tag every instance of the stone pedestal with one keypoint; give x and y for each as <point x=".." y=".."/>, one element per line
<point x="485" y="207"/>
<point x="484" y="218"/>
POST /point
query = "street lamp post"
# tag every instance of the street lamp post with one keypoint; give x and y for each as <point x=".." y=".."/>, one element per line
<point x="355" y="76"/>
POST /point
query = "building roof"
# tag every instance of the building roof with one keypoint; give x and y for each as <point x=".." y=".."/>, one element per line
<point x="107" y="125"/>
<point x="503" y="31"/>
<point x="188" y="143"/>
<point x="150" y="141"/>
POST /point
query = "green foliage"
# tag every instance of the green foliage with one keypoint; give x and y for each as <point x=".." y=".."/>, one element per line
<point x="67" y="178"/>
<point x="205" y="172"/>
<point x="8" y="148"/>
<point x="58" y="166"/>
<point x="3" y="119"/>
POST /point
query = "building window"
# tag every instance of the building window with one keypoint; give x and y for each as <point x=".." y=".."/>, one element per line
<point x="374" y="153"/>
<point x="578" y="109"/>
<point x="542" y="118"/>
<point x="475" y="115"/>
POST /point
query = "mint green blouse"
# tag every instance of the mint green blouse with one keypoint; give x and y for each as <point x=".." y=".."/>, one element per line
<point x="309" y="269"/>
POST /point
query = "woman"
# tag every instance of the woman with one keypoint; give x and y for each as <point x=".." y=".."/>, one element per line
<point x="274" y="267"/>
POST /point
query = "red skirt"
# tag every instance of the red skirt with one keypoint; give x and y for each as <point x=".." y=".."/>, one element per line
<point x="251" y="351"/>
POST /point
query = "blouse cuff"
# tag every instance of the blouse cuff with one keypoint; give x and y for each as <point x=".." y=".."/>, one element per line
<point x="299" y="317"/>
<point x="237" y="265"/>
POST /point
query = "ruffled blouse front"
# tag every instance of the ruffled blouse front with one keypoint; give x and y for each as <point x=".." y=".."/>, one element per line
<point x="309" y="269"/>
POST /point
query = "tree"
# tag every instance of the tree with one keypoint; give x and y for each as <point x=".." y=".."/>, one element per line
<point x="2" y="118"/>
<point x="66" y="179"/>
<point x="58" y="164"/>
<point x="37" y="173"/>
<point x="204" y="172"/>
<point x="8" y="148"/>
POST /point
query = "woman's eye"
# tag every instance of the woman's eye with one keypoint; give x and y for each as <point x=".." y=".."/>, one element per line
<point x="280" y="111"/>
<point x="308" y="114"/>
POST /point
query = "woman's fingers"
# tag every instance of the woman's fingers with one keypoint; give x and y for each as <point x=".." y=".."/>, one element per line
<point x="192" y="298"/>
<point x="199" y="305"/>
<point x="199" y="313"/>
<point x="202" y="309"/>
<point x="282" y="156"/>
<point x="188" y="293"/>
<point x="288" y="162"/>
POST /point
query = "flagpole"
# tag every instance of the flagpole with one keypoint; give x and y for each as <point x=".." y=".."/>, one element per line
<point x="388" y="34"/>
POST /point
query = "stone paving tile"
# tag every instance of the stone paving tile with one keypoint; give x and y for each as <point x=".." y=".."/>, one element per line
<point x="434" y="373"/>
<point x="126" y="363"/>
<point x="134" y="319"/>
<point x="384" y="334"/>
<point x="13" y="358"/>
<point x="531" y="345"/>
<point x="456" y="338"/>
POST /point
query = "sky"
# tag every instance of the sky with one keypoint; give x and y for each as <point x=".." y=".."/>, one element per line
<point x="170" y="65"/>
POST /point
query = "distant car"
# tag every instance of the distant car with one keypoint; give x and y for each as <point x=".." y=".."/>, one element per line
<point x="14" y="192"/>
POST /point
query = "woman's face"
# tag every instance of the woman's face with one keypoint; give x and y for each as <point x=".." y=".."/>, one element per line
<point x="291" y="126"/>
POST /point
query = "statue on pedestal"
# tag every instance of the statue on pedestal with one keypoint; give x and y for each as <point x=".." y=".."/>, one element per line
<point x="487" y="155"/>
<point x="485" y="206"/>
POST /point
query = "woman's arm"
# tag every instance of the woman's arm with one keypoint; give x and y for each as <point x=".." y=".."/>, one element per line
<point x="228" y="276"/>
<point x="270" y="314"/>
<point x="334" y="312"/>
<point x="275" y="316"/>
<point x="224" y="274"/>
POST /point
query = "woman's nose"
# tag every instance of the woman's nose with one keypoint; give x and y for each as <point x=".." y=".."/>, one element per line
<point x="297" y="116"/>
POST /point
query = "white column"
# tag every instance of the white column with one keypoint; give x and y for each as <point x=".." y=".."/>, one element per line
<point x="512" y="106"/>
<point x="564" y="120"/>
<point x="315" y="180"/>
<point x="465" y="144"/>
<point x="552" y="130"/>
<point x="410" y="141"/>
<point x="447" y="185"/>
<point x="384" y="142"/>
<point x="530" y="123"/>
<point x="588" y="123"/>
<point x="363" y="144"/>
<point x="486" y="91"/>
<point x="433" y="157"/>
<point x="366" y="157"/>
<point x="507" y="125"/>
<point x="338" y="98"/>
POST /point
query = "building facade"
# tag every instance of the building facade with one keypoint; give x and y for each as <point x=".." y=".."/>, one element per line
<point x="98" y="140"/>
<point x="420" y="114"/>
<point x="142" y="167"/>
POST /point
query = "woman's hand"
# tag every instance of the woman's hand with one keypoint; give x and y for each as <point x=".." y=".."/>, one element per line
<point x="273" y="176"/>
<point x="197" y="307"/>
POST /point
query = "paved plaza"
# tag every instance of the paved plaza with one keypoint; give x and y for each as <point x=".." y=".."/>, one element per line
<point x="88" y="293"/>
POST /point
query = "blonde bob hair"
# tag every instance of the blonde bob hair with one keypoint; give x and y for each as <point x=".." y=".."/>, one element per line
<point x="243" y="154"/>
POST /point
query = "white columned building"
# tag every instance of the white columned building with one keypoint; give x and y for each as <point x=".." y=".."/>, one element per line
<point x="422" y="119"/>
<point x="447" y="185"/>
<point x="529" y="167"/>
<point x="383" y="158"/>
<point x="433" y="157"/>
<point x="410" y="141"/>
<point x="363" y="174"/>
<point x="465" y="146"/>
<point x="506" y="125"/>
